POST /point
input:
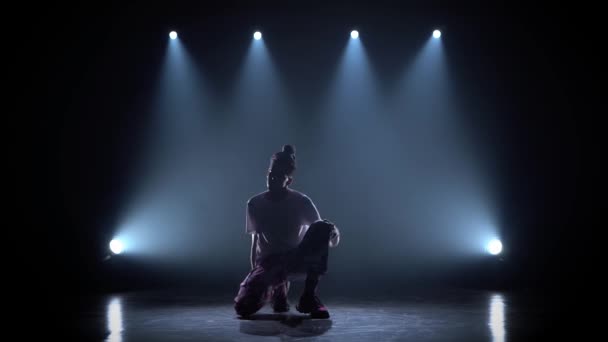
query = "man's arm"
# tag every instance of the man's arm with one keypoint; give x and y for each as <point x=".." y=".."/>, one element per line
<point x="334" y="236"/>
<point x="312" y="216"/>
<point x="254" y="240"/>
<point x="250" y="228"/>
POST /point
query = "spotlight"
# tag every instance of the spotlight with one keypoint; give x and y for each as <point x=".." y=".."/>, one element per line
<point x="436" y="34"/>
<point x="116" y="246"/>
<point x="173" y="35"/>
<point x="257" y="35"/>
<point x="494" y="247"/>
<point x="354" y="34"/>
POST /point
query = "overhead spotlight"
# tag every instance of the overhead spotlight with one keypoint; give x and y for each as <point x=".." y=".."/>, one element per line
<point x="354" y="34"/>
<point x="436" y="34"/>
<point x="173" y="35"/>
<point x="494" y="247"/>
<point x="116" y="246"/>
<point x="257" y="35"/>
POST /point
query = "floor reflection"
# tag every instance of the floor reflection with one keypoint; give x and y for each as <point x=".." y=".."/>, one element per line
<point x="114" y="317"/>
<point x="497" y="318"/>
<point x="289" y="325"/>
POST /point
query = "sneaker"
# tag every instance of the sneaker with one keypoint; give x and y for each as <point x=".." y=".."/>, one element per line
<point x="312" y="304"/>
<point x="279" y="299"/>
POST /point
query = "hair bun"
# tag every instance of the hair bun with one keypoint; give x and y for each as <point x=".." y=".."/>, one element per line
<point x="289" y="149"/>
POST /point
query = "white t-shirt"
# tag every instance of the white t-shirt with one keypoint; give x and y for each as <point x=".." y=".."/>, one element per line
<point x="280" y="225"/>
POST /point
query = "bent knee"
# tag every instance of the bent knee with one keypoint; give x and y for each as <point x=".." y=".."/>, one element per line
<point x="321" y="227"/>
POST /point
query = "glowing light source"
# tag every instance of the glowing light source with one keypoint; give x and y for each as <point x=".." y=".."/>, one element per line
<point x="257" y="35"/>
<point x="173" y="35"/>
<point x="116" y="246"/>
<point x="354" y="34"/>
<point x="436" y="34"/>
<point x="494" y="247"/>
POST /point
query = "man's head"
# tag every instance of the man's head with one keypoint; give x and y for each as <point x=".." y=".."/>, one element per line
<point x="282" y="167"/>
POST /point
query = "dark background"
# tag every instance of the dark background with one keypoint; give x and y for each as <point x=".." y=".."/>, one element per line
<point x="96" y="67"/>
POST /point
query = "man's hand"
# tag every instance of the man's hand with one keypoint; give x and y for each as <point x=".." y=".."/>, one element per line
<point x="334" y="235"/>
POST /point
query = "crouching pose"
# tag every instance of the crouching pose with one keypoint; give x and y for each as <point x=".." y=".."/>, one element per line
<point x="288" y="238"/>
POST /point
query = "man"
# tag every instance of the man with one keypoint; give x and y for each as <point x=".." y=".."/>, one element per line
<point x="288" y="239"/>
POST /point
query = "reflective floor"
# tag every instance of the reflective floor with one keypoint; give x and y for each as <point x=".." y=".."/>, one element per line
<point x="455" y="315"/>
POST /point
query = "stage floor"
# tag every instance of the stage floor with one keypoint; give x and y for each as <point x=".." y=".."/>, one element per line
<point x="446" y="315"/>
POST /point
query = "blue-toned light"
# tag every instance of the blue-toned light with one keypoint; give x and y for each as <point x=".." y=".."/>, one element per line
<point x="116" y="246"/>
<point x="494" y="247"/>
